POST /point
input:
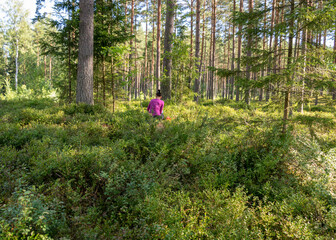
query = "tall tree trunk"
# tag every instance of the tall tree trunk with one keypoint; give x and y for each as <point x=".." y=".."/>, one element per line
<point x="324" y="39"/>
<point x="130" y="74"/>
<point x="209" y="77"/>
<point x="333" y="89"/>
<point x="297" y="42"/>
<point x="227" y="92"/>
<point x="207" y="63"/>
<point x="213" y="51"/>
<point x="85" y="53"/>
<point x="126" y="55"/>
<point x="145" y="77"/>
<point x="45" y="68"/>
<point x="289" y="62"/>
<point x="158" y="47"/>
<point x="281" y="37"/>
<point x="50" y="73"/>
<point x="191" y="40"/>
<point x="38" y="51"/>
<point x="69" y="68"/>
<point x="16" y="63"/>
<point x="248" y="55"/>
<point x="168" y="46"/>
<point x="261" y="93"/>
<point x="104" y="82"/>
<point x="276" y="37"/>
<point x="152" y="62"/>
<point x="197" y="50"/>
<point x="233" y="53"/>
<point x="136" y="77"/>
<point x="241" y="6"/>
<point x="202" y="50"/>
<point x="270" y="49"/>
<point x="112" y="83"/>
<point x="304" y="46"/>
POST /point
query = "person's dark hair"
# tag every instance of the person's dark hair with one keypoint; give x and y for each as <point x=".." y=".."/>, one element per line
<point x="158" y="93"/>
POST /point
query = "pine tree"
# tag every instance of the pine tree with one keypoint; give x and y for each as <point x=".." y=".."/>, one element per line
<point x="84" y="88"/>
<point x="168" y="44"/>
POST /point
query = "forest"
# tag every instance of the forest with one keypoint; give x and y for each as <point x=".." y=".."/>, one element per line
<point x="247" y="148"/>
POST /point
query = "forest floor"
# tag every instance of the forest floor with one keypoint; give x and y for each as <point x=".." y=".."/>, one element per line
<point x="219" y="170"/>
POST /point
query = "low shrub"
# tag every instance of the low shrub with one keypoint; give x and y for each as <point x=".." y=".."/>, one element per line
<point x="217" y="170"/>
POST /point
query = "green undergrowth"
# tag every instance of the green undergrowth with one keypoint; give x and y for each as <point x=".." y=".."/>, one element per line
<point x="216" y="170"/>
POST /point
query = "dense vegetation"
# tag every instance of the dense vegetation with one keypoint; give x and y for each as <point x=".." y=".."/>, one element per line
<point x="218" y="170"/>
<point x="249" y="150"/>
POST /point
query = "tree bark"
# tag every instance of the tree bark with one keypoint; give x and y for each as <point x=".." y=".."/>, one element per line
<point x="248" y="55"/>
<point x="152" y="62"/>
<point x="233" y="53"/>
<point x="241" y="6"/>
<point x="270" y="49"/>
<point x="261" y="93"/>
<point x="104" y="82"/>
<point x="168" y="46"/>
<point x="158" y="47"/>
<point x="136" y="77"/>
<point x="112" y="83"/>
<point x="130" y="74"/>
<point x="16" y="64"/>
<point x="227" y="92"/>
<point x="45" y="68"/>
<point x="191" y="41"/>
<point x="69" y="68"/>
<point x="197" y="50"/>
<point x="50" y="72"/>
<point x="145" y="77"/>
<point x="85" y="53"/>
<point x="289" y="61"/>
<point x="213" y="51"/>
<point x="304" y="44"/>
<point x="202" y="51"/>
<point x="333" y="89"/>
<point x="126" y="56"/>
<point x="281" y="37"/>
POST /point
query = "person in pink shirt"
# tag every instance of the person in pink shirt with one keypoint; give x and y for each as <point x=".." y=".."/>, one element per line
<point x="155" y="106"/>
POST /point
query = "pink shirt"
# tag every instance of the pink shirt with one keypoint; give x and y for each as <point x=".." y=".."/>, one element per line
<point x="155" y="107"/>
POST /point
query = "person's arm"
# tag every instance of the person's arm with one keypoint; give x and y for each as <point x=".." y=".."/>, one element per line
<point x="161" y="108"/>
<point x="149" y="106"/>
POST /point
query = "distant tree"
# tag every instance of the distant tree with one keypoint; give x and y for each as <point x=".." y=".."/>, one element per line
<point x="130" y="79"/>
<point x="334" y="61"/>
<point x="213" y="51"/>
<point x="145" y="75"/>
<point x="61" y="41"/>
<point x="17" y="34"/>
<point x="2" y="58"/>
<point x="289" y="62"/>
<point x="240" y="28"/>
<point x="248" y="55"/>
<point x="233" y="53"/>
<point x="197" y="50"/>
<point x="191" y="41"/>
